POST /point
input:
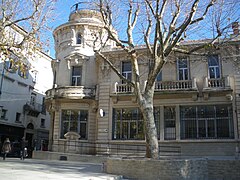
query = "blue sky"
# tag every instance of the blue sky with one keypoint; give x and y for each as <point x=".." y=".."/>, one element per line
<point x="61" y="13"/>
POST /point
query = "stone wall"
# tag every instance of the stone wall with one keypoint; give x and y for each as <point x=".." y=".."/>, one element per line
<point x="158" y="169"/>
<point x="223" y="169"/>
<point x="199" y="169"/>
<point x="46" y="155"/>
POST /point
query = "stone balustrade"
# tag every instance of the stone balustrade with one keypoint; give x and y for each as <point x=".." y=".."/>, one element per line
<point x="71" y="92"/>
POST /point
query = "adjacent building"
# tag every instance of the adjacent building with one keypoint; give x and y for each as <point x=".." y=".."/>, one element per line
<point x="23" y="84"/>
<point x="93" y="112"/>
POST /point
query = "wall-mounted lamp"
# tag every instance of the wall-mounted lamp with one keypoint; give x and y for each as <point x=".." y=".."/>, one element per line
<point x="101" y="113"/>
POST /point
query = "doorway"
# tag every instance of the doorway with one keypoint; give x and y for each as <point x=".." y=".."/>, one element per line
<point x="29" y="139"/>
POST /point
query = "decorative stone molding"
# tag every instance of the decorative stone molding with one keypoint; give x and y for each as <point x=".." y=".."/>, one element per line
<point x="72" y="135"/>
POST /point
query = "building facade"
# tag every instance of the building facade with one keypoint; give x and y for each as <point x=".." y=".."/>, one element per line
<point x="22" y="96"/>
<point x="196" y="101"/>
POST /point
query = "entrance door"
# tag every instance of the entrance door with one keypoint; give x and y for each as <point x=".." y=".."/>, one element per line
<point x="29" y="139"/>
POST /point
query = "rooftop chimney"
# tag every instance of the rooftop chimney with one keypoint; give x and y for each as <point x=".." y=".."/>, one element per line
<point x="235" y="28"/>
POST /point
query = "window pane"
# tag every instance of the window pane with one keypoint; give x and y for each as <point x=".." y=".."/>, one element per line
<point x="140" y="134"/>
<point x="180" y="73"/>
<point x="128" y="124"/>
<point x="213" y="60"/>
<point x="223" y="128"/>
<point x="169" y="123"/>
<point x="188" y="112"/>
<point x="212" y="72"/>
<point x="205" y="111"/>
<point x="190" y="129"/>
<point x="83" y="115"/>
<point x="182" y="63"/>
<point x="213" y="67"/>
<point x="75" y="121"/>
<point x="126" y="66"/>
<point x="211" y="128"/>
<point x="186" y="74"/>
<point x="201" y="129"/>
<point x="76" y="70"/>
<point x="182" y="69"/>
<point x="83" y="130"/>
<point x="213" y="121"/>
<point x="127" y="70"/>
<point x="79" y="38"/>
<point x="133" y="130"/>
<point x="76" y="75"/>
<point x="125" y="130"/>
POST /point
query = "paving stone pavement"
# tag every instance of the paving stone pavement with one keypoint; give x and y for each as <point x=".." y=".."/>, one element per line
<point x="32" y="169"/>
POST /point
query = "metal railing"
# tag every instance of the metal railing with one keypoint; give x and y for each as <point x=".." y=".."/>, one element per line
<point x="34" y="106"/>
<point x="83" y="5"/>
<point x="118" y="149"/>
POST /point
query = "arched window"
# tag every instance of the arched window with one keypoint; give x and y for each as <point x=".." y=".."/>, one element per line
<point x="30" y="126"/>
<point x="79" y="38"/>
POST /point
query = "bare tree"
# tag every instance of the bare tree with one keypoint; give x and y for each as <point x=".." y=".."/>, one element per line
<point x="23" y="24"/>
<point x="161" y="25"/>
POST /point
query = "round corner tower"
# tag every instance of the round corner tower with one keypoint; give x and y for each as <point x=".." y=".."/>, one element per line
<point x="73" y="95"/>
<point x="74" y="46"/>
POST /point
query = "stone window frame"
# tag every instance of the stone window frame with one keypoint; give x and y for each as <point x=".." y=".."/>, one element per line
<point x="79" y="122"/>
<point x="216" y="67"/>
<point x="185" y="70"/>
<point x="194" y="123"/>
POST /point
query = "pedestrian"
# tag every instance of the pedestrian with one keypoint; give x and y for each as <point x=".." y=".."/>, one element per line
<point x="6" y="148"/>
<point x="23" y="149"/>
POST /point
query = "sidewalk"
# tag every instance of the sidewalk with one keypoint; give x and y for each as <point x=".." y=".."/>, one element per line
<point x="32" y="169"/>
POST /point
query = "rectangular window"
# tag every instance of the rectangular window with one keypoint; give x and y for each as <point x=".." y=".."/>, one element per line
<point x="213" y="67"/>
<point x="128" y="124"/>
<point x="169" y="123"/>
<point x="43" y="106"/>
<point x="33" y="99"/>
<point x="10" y="64"/>
<point x="42" y="123"/>
<point x="76" y="75"/>
<point x="34" y="76"/>
<point x="206" y="122"/>
<point x="3" y="113"/>
<point x="183" y="69"/>
<point x="75" y="121"/>
<point x="127" y="70"/>
<point x="79" y="38"/>
<point x="18" y="115"/>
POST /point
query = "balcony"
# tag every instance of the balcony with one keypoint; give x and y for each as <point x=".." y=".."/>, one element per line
<point x="71" y="92"/>
<point x="122" y="88"/>
<point x="185" y="85"/>
<point x="181" y="85"/>
<point x="33" y="109"/>
<point x="218" y="87"/>
<point x="218" y="83"/>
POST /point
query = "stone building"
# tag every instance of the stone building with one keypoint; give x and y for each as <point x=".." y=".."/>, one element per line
<point x="93" y="112"/>
<point x="22" y="96"/>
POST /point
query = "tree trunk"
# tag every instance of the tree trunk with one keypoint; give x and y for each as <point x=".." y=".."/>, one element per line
<point x="152" y="149"/>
